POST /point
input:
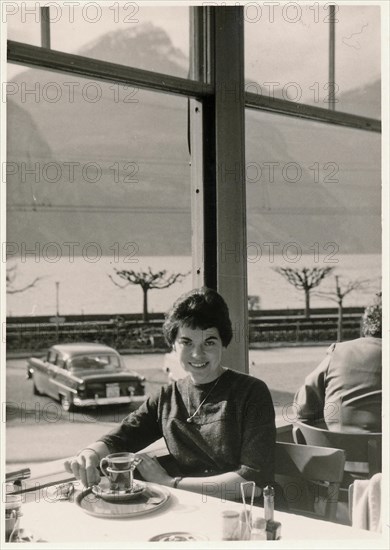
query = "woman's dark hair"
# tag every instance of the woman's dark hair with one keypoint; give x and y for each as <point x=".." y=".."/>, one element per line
<point x="200" y="308"/>
<point x="372" y="318"/>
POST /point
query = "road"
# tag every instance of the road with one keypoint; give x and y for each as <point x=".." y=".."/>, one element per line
<point x="38" y="429"/>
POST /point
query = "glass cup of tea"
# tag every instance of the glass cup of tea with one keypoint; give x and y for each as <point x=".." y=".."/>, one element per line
<point x="12" y="514"/>
<point x="119" y="470"/>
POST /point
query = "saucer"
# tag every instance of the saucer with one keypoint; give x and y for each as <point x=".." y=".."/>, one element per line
<point x="103" y="491"/>
<point x="149" y="501"/>
<point x="177" y="536"/>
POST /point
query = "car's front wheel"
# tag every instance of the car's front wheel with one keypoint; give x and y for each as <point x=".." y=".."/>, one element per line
<point x="66" y="403"/>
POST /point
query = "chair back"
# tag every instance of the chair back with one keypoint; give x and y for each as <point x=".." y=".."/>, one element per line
<point x="363" y="449"/>
<point x="310" y="477"/>
<point x="364" y="411"/>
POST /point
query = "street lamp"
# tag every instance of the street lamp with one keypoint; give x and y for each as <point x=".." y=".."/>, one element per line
<point x="57" y="298"/>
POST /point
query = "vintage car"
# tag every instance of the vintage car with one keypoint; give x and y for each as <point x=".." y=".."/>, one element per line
<point x="85" y="375"/>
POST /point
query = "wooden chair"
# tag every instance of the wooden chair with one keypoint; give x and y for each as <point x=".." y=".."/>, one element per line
<point x="350" y="501"/>
<point x="363" y="450"/>
<point x="310" y="478"/>
<point x="364" y="411"/>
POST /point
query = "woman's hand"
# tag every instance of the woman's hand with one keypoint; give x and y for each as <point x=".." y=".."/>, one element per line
<point x="85" y="466"/>
<point x="151" y="470"/>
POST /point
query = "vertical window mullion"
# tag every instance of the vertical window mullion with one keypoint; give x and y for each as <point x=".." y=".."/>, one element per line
<point x="218" y="168"/>
<point x="332" y="54"/>
<point x="203" y="173"/>
<point x="45" y="27"/>
<point x="230" y="176"/>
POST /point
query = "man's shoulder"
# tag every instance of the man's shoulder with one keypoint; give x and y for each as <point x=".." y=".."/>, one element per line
<point x="363" y="342"/>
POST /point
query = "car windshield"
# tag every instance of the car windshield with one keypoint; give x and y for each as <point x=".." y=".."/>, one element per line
<point x="95" y="362"/>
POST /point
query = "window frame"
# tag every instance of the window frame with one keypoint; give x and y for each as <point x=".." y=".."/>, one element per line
<point x="217" y="141"/>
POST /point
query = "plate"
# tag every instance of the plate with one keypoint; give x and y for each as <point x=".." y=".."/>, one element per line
<point x="177" y="536"/>
<point x="152" y="498"/>
<point x="103" y="491"/>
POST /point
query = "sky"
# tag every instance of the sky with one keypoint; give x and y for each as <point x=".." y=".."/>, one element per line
<point x="284" y="46"/>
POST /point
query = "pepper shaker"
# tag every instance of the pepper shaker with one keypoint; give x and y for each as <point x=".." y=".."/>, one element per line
<point x="273" y="527"/>
<point x="269" y="495"/>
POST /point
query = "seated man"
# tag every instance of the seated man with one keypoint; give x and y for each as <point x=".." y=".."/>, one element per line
<point x="349" y="371"/>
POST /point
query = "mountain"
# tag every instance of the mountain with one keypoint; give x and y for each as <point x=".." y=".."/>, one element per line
<point x="144" y="46"/>
<point x="364" y="100"/>
<point x="112" y="164"/>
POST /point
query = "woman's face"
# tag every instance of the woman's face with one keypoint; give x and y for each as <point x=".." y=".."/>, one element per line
<point x="200" y="353"/>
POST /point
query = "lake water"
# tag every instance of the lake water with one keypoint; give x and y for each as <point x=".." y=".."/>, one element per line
<point x="85" y="286"/>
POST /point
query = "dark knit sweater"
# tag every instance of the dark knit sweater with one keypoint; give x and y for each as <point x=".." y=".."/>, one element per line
<point x="234" y="429"/>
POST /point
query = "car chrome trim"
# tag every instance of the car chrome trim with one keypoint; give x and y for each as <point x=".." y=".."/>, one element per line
<point x="107" y="400"/>
<point x="67" y="388"/>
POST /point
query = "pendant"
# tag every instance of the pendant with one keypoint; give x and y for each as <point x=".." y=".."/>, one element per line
<point x="189" y="419"/>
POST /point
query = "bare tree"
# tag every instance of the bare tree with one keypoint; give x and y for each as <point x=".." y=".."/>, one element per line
<point x="10" y="281"/>
<point x="304" y="279"/>
<point x="338" y="295"/>
<point x="148" y="281"/>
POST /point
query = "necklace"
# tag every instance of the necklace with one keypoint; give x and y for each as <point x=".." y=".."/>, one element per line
<point x="191" y="417"/>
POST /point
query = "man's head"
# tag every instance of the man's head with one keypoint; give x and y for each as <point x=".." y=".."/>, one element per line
<point x="372" y="318"/>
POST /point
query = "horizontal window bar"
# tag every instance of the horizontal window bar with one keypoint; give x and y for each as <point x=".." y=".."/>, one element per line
<point x="34" y="56"/>
<point x="42" y="58"/>
<point x="316" y="114"/>
<point x="90" y="208"/>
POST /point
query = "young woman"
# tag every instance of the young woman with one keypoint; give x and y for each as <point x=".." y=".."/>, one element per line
<point x="218" y="424"/>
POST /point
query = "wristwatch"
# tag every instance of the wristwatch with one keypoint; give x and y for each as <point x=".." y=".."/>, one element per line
<point x="176" y="481"/>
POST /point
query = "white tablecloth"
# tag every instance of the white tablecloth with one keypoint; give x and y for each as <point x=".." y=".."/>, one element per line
<point x="66" y="523"/>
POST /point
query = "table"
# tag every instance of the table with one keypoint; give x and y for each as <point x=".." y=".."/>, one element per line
<point x="64" y="522"/>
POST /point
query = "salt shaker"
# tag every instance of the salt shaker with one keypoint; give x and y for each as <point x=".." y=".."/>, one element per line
<point x="230" y="525"/>
<point x="259" y="529"/>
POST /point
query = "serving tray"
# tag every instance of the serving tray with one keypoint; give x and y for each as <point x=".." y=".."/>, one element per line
<point x="151" y="499"/>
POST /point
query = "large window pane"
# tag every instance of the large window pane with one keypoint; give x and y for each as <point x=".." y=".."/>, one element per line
<point x="287" y="54"/>
<point x="286" y="51"/>
<point x="358" y="60"/>
<point x="23" y="22"/>
<point x="152" y="38"/>
<point x="98" y="179"/>
<point x="313" y="196"/>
